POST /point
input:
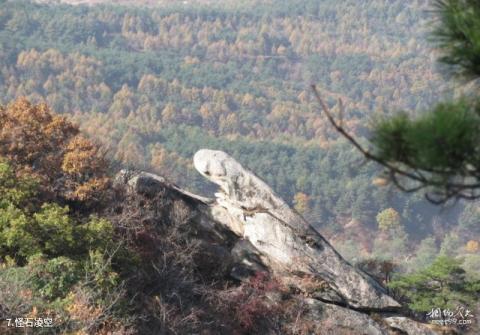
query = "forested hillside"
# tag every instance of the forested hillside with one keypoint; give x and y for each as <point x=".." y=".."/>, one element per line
<point x="155" y="85"/>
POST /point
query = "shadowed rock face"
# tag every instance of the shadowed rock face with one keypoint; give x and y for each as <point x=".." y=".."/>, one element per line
<point x="286" y="242"/>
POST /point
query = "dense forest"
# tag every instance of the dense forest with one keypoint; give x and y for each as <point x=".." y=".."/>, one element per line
<point x="155" y="85"/>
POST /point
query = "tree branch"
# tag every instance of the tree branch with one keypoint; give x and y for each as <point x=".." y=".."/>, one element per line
<point x="451" y="189"/>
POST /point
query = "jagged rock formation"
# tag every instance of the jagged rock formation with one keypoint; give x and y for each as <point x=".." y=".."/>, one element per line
<point x="249" y="228"/>
<point x="285" y="241"/>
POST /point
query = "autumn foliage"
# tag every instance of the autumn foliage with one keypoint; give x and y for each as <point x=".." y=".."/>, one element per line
<point x="472" y="246"/>
<point x="51" y="148"/>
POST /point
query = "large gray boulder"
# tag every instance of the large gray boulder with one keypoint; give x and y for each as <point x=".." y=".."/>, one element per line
<point x="408" y="326"/>
<point x="286" y="243"/>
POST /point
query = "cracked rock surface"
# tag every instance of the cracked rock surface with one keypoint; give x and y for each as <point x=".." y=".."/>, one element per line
<point x="287" y="244"/>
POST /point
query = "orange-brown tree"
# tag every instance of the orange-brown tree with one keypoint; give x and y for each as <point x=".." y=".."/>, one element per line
<point x="50" y="148"/>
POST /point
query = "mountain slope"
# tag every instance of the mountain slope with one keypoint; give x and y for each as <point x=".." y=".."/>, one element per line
<point x="156" y="85"/>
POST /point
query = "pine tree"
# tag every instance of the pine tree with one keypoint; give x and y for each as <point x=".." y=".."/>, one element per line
<point x="441" y="285"/>
<point x="438" y="151"/>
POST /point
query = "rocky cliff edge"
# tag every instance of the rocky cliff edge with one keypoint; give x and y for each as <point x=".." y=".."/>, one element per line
<point x="250" y="228"/>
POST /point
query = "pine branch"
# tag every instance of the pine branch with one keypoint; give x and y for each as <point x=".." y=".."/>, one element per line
<point x="443" y="190"/>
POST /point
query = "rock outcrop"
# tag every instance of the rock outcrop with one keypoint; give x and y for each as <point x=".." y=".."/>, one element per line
<point x="286" y="243"/>
<point x="250" y="228"/>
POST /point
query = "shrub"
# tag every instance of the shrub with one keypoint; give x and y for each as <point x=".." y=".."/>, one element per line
<point x="54" y="278"/>
<point x="443" y="284"/>
<point x="57" y="258"/>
